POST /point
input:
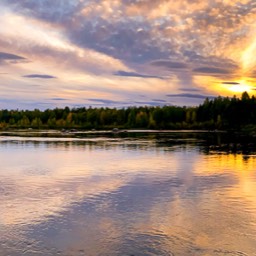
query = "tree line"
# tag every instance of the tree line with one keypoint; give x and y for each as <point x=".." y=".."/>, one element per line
<point x="217" y="113"/>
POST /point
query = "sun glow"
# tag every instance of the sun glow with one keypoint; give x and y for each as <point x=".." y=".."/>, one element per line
<point x="241" y="87"/>
<point x="249" y="58"/>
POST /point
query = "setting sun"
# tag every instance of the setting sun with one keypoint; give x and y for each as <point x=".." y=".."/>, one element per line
<point x="241" y="87"/>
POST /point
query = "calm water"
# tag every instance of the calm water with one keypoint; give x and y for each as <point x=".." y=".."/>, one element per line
<point x="142" y="195"/>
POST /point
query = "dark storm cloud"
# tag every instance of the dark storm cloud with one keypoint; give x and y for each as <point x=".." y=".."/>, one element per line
<point x="134" y="74"/>
<point x="188" y="95"/>
<point x="40" y="76"/>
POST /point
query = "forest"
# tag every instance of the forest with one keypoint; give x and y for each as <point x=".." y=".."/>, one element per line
<point x="221" y="113"/>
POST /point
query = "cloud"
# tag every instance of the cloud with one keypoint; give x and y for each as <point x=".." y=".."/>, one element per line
<point x="48" y="46"/>
<point x="10" y="56"/>
<point x="47" y="10"/>
<point x="105" y="101"/>
<point x="90" y="45"/>
<point x="130" y="103"/>
<point x="122" y="30"/>
<point x="159" y="100"/>
<point x="230" y="83"/>
<point x="188" y="95"/>
<point x="150" y="103"/>
<point x="169" y="64"/>
<point x="121" y="39"/>
<point x="134" y="74"/>
<point x="58" y="99"/>
<point x="210" y="60"/>
<point x="40" y="76"/>
<point x="212" y="70"/>
<point x="189" y="89"/>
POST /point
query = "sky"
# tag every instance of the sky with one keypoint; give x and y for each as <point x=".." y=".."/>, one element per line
<point x="120" y="53"/>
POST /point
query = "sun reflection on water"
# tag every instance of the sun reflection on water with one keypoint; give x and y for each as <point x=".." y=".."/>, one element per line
<point x="124" y="197"/>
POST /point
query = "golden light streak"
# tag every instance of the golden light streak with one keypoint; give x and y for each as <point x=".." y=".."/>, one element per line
<point x="249" y="57"/>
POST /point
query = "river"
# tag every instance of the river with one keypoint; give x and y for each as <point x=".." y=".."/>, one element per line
<point x="130" y="194"/>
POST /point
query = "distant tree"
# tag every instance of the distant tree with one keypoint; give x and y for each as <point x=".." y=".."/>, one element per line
<point x="36" y="123"/>
<point x="220" y="113"/>
<point x="141" y="120"/>
<point x="245" y="96"/>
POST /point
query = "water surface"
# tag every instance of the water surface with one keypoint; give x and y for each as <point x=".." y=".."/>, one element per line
<point x="149" y="194"/>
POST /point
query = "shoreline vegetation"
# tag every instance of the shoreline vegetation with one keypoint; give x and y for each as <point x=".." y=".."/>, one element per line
<point x="220" y="113"/>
